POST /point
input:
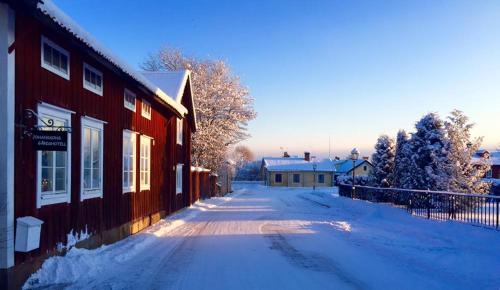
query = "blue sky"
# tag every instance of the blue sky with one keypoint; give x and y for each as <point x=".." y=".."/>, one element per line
<point x="351" y="70"/>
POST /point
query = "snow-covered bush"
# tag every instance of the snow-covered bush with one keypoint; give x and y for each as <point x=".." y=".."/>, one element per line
<point x="362" y="180"/>
<point x="383" y="161"/>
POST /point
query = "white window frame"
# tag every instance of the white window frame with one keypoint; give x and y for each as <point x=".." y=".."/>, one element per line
<point x="130" y="135"/>
<point x="49" y="67"/>
<point x="127" y="104"/>
<point x="180" y="132"/>
<point x="144" y="113"/>
<point x="53" y="198"/>
<point x="93" y="124"/>
<point x="178" y="178"/>
<point x="86" y="85"/>
<point x="145" y="140"/>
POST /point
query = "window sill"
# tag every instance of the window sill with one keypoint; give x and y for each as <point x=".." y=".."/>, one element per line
<point x="54" y="199"/>
<point x="55" y="71"/>
<point x="90" y="194"/>
<point x="128" y="190"/>
<point x="145" y="188"/>
<point x="90" y="89"/>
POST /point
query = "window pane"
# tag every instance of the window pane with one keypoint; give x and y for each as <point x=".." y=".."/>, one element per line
<point x="96" y="178"/>
<point x="86" y="179"/>
<point x="55" y="58"/>
<point x="95" y="149"/>
<point x="64" y="63"/>
<point x="60" y="158"/>
<point x="46" y="179"/>
<point x="47" y="158"/>
<point x="87" y="75"/>
<point x="98" y="81"/>
<point x="86" y="148"/>
<point x="47" y="53"/>
<point x="125" y="163"/>
<point x="131" y="163"/>
<point x="131" y="178"/>
<point x="60" y="179"/>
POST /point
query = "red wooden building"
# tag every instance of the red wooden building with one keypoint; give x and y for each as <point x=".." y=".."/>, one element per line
<point x="126" y="162"/>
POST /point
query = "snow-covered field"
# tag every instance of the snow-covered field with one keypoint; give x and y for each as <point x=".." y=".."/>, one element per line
<point x="263" y="238"/>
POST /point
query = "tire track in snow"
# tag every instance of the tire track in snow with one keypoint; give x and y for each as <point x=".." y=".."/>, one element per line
<point x="309" y="261"/>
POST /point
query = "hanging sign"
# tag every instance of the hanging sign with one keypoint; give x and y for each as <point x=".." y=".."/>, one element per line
<point x="50" y="140"/>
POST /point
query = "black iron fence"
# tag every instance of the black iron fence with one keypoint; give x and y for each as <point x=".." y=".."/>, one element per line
<point x="476" y="209"/>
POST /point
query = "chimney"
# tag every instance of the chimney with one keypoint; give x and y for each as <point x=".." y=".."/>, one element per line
<point x="366" y="158"/>
<point x="307" y="156"/>
<point x="285" y="154"/>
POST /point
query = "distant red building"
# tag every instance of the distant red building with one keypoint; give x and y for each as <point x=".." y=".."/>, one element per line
<point x="126" y="161"/>
<point x="492" y="158"/>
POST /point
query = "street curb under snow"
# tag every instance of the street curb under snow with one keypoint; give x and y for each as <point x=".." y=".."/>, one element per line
<point x="67" y="269"/>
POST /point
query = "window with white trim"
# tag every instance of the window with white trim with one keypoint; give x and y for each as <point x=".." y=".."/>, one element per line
<point x="55" y="58"/>
<point x="178" y="178"/>
<point x="146" y="110"/>
<point x="145" y="163"/>
<point x="129" y="153"/>
<point x="92" y="158"/>
<point x="180" y="129"/>
<point x="92" y="79"/>
<point x="296" y="178"/>
<point x="129" y="100"/>
<point x="54" y="167"/>
<point x="321" y="178"/>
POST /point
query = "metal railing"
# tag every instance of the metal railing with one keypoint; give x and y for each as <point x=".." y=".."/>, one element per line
<point x="478" y="209"/>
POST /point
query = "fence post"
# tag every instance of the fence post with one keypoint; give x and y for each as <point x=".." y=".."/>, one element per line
<point x="498" y="213"/>
<point x="428" y="202"/>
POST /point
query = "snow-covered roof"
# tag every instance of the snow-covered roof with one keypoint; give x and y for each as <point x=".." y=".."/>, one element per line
<point x="326" y="165"/>
<point x="272" y="161"/>
<point x="48" y="8"/>
<point x="345" y="165"/>
<point x="173" y="83"/>
<point x="492" y="158"/>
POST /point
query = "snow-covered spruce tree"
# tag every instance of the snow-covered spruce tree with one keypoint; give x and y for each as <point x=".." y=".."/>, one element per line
<point x="402" y="160"/>
<point x="383" y="161"/>
<point x="223" y="104"/>
<point x="466" y="175"/>
<point x="430" y="164"/>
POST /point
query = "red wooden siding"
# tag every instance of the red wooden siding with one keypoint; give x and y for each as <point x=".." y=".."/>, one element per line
<point x="34" y="84"/>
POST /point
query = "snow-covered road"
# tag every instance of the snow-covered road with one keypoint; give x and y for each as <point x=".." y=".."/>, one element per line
<point x="262" y="238"/>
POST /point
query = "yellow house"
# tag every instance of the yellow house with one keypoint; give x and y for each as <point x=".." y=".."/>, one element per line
<point x="297" y="171"/>
<point x="304" y="172"/>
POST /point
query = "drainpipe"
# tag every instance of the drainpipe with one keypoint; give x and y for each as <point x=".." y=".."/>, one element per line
<point x="7" y="81"/>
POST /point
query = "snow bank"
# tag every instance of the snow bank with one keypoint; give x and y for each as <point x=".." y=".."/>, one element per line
<point x="79" y="262"/>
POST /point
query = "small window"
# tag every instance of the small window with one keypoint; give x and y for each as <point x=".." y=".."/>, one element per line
<point x="146" y="110"/>
<point x="129" y="154"/>
<point x="55" y="58"/>
<point x="278" y="178"/>
<point x="489" y="173"/>
<point x="129" y="100"/>
<point x="54" y="167"/>
<point x="92" y="79"/>
<point x="92" y="158"/>
<point x="178" y="178"/>
<point x="321" y="178"/>
<point x="365" y="168"/>
<point x="145" y="163"/>
<point x="296" y="178"/>
<point x="179" y="131"/>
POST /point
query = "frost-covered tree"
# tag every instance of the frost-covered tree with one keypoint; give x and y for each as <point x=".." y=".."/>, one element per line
<point x="383" y="161"/>
<point x="223" y="104"/>
<point x="241" y="155"/>
<point x="402" y="160"/>
<point x="430" y="163"/>
<point x="466" y="174"/>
